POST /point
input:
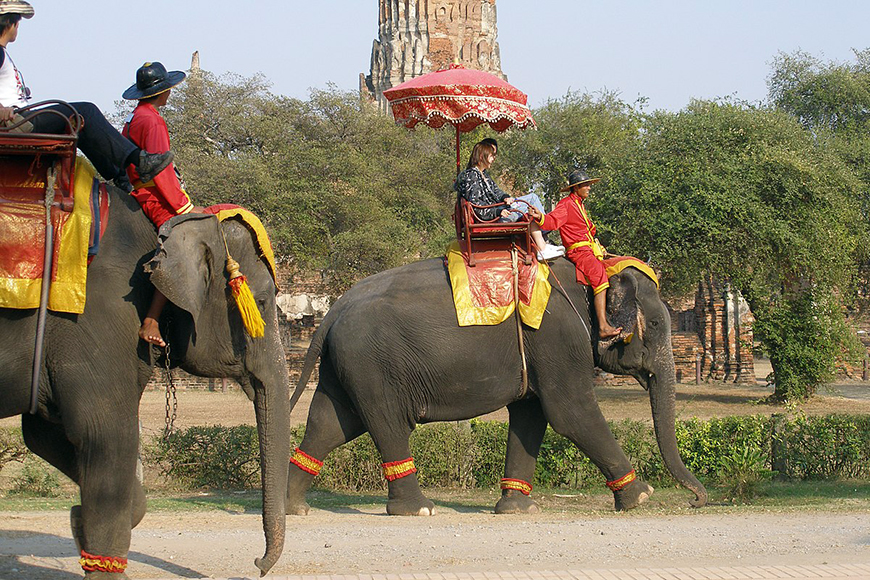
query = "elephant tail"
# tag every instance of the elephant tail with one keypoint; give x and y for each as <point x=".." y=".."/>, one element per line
<point x="314" y="351"/>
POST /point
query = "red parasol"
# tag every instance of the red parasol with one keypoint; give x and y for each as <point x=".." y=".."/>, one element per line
<point x="463" y="97"/>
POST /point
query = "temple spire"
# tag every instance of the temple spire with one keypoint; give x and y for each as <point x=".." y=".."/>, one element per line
<point x="420" y="36"/>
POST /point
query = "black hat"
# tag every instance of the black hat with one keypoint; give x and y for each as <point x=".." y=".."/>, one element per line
<point x="151" y="80"/>
<point x="579" y="177"/>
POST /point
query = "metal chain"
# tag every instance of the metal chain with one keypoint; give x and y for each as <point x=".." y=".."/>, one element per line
<point x="171" y="400"/>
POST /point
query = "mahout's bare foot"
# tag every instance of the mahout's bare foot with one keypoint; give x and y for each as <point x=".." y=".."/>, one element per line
<point x="150" y="332"/>
<point x="607" y="331"/>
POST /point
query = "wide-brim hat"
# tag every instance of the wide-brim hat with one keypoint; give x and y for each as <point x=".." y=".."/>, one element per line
<point x="152" y="79"/>
<point x="16" y="7"/>
<point x="579" y="177"/>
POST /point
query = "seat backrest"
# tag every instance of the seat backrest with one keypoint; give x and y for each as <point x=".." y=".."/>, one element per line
<point x="26" y="156"/>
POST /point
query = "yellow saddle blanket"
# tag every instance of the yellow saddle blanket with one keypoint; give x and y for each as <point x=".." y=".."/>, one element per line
<point x="484" y="294"/>
<point x="22" y="241"/>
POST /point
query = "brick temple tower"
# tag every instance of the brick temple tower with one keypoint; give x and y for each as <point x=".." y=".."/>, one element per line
<point x="420" y="36"/>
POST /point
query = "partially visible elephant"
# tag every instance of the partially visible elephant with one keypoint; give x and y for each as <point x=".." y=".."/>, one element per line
<point x="95" y="368"/>
<point x="392" y="355"/>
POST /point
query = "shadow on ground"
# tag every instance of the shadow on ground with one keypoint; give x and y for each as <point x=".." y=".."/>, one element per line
<point x="59" y="553"/>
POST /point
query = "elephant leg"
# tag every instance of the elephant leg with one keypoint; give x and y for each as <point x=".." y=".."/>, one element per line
<point x="49" y="441"/>
<point x="112" y="500"/>
<point x="580" y="419"/>
<point x="332" y="421"/>
<point x="391" y="439"/>
<point x="526" y="432"/>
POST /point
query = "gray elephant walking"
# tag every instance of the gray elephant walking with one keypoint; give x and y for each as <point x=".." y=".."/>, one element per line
<point x="96" y="367"/>
<point x="392" y="356"/>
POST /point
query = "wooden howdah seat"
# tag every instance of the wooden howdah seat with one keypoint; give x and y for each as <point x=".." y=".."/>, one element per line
<point x="477" y="236"/>
<point x="25" y="158"/>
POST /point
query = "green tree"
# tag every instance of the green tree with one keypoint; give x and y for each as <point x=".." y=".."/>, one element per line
<point x="340" y="187"/>
<point x="832" y="100"/>
<point x="576" y="130"/>
<point x="746" y="194"/>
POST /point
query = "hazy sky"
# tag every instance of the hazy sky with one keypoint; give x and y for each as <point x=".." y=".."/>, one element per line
<point x="667" y="51"/>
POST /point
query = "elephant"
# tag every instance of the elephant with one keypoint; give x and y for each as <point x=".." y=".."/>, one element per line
<point x="392" y="355"/>
<point x="95" y="368"/>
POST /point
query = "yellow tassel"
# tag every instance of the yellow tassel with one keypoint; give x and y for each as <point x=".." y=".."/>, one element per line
<point x="251" y="317"/>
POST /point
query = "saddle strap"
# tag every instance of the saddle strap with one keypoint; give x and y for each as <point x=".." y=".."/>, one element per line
<point x="516" y="272"/>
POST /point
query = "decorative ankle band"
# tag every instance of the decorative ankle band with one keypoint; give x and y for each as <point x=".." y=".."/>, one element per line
<point x="518" y="484"/>
<point x="398" y="469"/>
<point x="91" y="563"/>
<point x="620" y="483"/>
<point x="305" y="462"/>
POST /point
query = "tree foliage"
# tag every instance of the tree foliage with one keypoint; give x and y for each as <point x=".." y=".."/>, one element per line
<point x="773" y="200"/>
<point x="340" y="187"/>
<point x="592" y="131"/>
<point x="747" y="195"/>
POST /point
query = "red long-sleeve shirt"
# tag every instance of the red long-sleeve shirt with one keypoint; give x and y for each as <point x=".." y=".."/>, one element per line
<point x="163" y="197"/>
<point x="570" y="218"/>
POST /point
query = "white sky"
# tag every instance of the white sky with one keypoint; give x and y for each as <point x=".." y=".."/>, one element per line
<point x="667" y="51"/>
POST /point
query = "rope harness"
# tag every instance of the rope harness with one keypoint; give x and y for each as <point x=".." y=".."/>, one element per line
<point x="577" y="312"/>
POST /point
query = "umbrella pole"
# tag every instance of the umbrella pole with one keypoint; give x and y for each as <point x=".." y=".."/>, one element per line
<point x="457" y="150"/>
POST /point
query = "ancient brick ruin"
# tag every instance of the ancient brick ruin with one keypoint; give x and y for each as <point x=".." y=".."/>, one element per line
<point x="712" y="336"/>
<point x="420" y="36"/>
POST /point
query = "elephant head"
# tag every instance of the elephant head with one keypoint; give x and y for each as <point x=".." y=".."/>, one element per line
<point x="207" y="338"/>
<point x="633" y="303"/>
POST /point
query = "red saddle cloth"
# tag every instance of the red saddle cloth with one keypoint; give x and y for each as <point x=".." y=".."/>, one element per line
<point x="484" y="293"/>
<point x="22" y="231"/>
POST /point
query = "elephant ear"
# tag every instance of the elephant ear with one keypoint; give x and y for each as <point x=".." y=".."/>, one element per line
<point x="622" y="310"/>
<point x="190" y="252"/>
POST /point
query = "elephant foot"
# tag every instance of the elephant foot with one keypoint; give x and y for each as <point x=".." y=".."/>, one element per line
<point x="298" y="508"/>
<point x="75" y="524"/>
<point x="513" y="502"/>
<point x="632" y="495"/>
<point x="411" y="507"/>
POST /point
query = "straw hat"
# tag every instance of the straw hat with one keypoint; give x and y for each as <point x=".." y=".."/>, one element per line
<point x="16" y="7"/>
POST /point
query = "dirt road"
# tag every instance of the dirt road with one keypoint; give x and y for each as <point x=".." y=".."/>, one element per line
<point x="37" y="545"/>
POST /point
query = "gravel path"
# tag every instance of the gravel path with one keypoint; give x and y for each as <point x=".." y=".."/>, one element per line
<point x="37" y="545"/>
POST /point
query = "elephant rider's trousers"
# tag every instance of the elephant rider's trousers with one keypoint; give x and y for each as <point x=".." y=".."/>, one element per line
<point x="590" y="269"/>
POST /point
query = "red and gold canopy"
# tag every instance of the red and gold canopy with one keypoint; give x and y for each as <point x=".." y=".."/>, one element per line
<point x="464" y="98"/>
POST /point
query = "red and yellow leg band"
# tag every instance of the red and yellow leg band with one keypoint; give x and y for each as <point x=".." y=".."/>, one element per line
<point x="620" y="483"/>
<point x="91" y="563"/>
<point x="518" y="484"/>
<point x="305" y="462"/>
<point x="398" y="469"/>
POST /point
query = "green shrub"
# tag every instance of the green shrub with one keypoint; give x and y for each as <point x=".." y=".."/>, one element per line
<point x="213" y="457"/>
<point x="743" y="470"/>
<point x="561" y="464"/>
<point x="490" y="438"/>
<point x="12" y="447"/>
<point x="734" y="452"/>
<point x="827" y="447"/>
<point x="445" y="454"/>
<point x="37" y="479"/>
<point x="638" y="440"/>
<point x="704" y="445"/>
<point x="355" y="466"/>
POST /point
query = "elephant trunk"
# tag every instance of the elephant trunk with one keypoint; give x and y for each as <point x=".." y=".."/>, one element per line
<point x="662" y="396"/>
<point x="271" y="403"/>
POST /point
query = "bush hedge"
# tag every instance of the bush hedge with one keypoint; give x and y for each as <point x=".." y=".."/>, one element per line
<point x="718" y="451"/>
